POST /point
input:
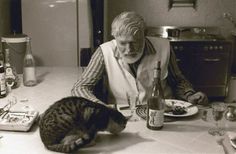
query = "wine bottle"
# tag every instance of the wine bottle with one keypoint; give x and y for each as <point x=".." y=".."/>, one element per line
<point x="156" y="102"/>
<point x="29" y="73"/>
<point x="10" y="74"/>
<point x="3" y="91"/>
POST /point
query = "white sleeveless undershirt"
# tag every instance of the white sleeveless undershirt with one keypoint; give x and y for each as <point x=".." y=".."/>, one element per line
<point x="121" y="80"/>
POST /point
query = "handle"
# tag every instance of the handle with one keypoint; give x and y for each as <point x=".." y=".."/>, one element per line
<point x="177" y="60"/>
<point x="211" y="59"/>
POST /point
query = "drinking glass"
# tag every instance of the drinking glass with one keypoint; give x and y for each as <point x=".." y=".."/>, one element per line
<point x="218" y="110"/>
<point x="133" y="101"/>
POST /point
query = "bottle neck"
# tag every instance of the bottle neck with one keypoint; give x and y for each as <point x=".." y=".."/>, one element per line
<point x="157" y="75"/>
<point x="28" y="48"/>
<point x="1" y="55"/>
<point x="7" y="58"/>
<point x="157" y="87"/>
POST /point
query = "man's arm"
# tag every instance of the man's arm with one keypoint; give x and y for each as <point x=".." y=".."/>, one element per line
<point x="92" y="74"/>
<point x="181" y="87"/>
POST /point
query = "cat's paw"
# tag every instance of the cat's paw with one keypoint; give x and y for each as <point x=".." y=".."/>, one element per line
<point x="79" y="141"/>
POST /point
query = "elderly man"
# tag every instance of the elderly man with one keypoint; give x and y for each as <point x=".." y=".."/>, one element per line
<point x="128" y="60"/>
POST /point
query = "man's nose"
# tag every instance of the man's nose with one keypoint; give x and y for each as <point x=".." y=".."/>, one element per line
<point x="128" y="47"/>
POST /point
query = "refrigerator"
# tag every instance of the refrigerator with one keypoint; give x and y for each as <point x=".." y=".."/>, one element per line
<point x="58" y="29"/>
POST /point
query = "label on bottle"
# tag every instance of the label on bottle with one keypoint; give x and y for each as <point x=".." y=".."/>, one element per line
<point x="29" y="75"/>
<point x="156" y="118"/>
<point x="2" y="85"/>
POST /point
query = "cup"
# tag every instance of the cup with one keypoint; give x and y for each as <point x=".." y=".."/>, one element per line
<point x="218" y="110"/>
<point x="133" y="101"/>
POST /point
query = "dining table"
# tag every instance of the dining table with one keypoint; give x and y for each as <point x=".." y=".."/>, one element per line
<point x="180" y="135"/>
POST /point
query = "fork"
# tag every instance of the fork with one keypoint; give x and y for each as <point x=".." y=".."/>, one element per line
<point x="8" y="106"/>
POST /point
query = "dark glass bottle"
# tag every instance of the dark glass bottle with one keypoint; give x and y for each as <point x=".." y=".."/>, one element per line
<point x="29" y="72"/>
<point x="3" y="91"/>
<point x="10" y="73"/>
<point x="156" y="102"/>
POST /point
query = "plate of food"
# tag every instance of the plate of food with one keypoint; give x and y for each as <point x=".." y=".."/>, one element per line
<point x="174" y="108"/>
<point x="179" y="108"/>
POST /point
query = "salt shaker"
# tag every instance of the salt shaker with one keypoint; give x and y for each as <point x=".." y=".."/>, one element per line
<point x="230" y="113"/>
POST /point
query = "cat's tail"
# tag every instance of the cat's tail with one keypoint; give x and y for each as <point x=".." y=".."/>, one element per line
<point x="68" y="148"/>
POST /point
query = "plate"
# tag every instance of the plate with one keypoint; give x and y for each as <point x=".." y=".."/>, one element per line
<point x="190" y="111"/>
<point x="233" y="143"/>
<point x="232" y="138"/>
<point x="142" y="110"/>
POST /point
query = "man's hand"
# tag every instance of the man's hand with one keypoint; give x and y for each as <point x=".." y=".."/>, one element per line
<point x="198" y="98"/>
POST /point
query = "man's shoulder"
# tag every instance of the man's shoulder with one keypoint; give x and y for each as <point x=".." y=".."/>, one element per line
<point x="110" y="43"/>
<point x="109" y="48"/>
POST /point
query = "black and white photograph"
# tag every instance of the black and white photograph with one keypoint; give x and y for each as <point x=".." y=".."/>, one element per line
<point x="118" y="76"/>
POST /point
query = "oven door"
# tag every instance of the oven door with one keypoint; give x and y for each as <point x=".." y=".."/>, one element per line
<point x="210" y="73"/>
<point x="206" y="64"/>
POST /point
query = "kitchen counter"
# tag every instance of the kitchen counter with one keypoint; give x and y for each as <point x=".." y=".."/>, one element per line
<point x="53" y="84"/>
<point x="186" y="135"/>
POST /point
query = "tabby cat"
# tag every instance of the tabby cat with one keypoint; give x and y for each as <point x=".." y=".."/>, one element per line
<point x="73" y="122"/>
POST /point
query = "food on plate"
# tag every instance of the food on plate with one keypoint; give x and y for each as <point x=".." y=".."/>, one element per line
<point x="176" y="109"/>
<point x="179" y="110"/>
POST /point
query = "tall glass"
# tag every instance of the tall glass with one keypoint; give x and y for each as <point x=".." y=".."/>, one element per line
<point x="218" y="110"/>
<point x="133" y="101"/>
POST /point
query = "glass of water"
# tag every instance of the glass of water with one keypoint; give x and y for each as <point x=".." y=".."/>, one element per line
<point x="133" y="101"/>
<point x="218" y="110"/>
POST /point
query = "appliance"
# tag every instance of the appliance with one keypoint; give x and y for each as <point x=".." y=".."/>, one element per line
<point x="234" y="54"/>
<point x="53" y="27"/>
<point x="203" y="56"/>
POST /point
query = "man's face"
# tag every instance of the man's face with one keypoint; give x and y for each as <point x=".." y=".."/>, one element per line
<point x="130" y="46"/>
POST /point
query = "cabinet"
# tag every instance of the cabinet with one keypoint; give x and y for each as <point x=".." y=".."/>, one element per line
<point x="206" y="64"/>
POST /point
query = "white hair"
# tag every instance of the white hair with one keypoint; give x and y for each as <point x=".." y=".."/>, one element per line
<point x="127" y="23"/>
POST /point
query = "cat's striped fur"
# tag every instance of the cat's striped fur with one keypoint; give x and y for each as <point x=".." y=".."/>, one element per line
<point x="73" y="122"/>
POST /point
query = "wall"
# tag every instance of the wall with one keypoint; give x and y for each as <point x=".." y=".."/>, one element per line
<point x="57" y="37"/>
<point x="156" y="13"/>
<point x="4" y="18"/>
<point x="52" y="25"/>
